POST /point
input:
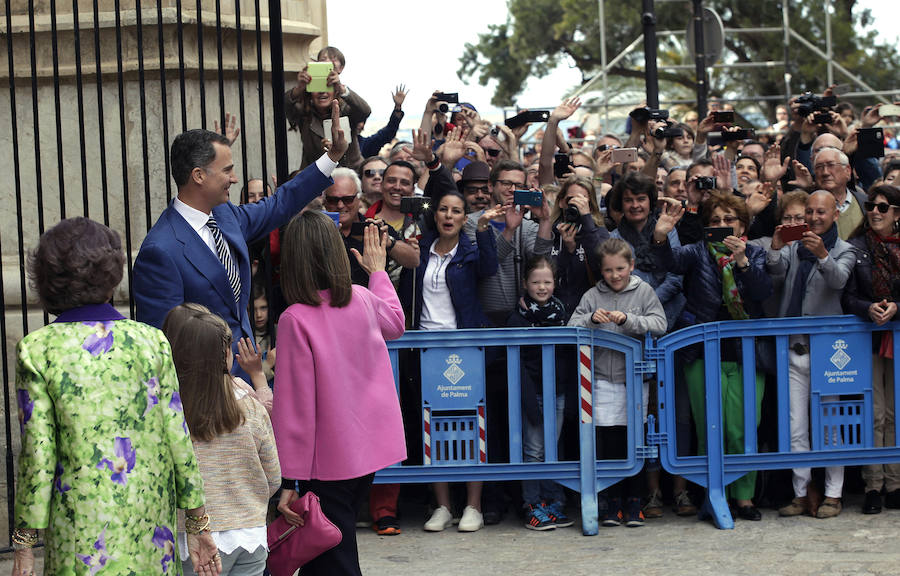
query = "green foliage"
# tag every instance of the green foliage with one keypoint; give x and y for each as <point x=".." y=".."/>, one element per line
<point x="541" y="33"/>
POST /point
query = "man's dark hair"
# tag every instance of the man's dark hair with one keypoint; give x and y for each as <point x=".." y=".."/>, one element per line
<point x="636" y="183"/>
<point x="332" y="52"/>
<point x="503" y="166"/>
<point x="193" y="149"/>
<point x="403" y="164"/>
<point x="764" y="146"/>
<point x="698" y="163"/>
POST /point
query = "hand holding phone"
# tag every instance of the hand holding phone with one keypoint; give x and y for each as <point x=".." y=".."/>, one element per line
<point x="528" y="198"/>
<point x="717" y="234"/>
<point x="624" y="155"/>
<point x="527" y="117"/>
<point x="791" y="233"/>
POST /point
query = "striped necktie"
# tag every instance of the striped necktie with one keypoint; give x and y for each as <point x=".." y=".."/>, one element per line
<point x="234" y="278"/>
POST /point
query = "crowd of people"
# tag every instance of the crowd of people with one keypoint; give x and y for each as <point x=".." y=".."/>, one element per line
<point x="670" y="225"/>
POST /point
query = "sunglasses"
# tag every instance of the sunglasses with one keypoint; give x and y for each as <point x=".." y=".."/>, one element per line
<point x="492" y="152"/>
<point x="882" y="207"/>
<point x="371" y="172"/>
<point x="334" y="200"/>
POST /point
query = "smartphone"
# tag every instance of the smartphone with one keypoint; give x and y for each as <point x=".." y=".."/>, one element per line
<point x="358" y="228"/>
<point x="717" y="234"/>
<point x="870" y="143"/>
<point x="705" y="183"/>
<point x="791" y="233"/>
<point x="336" y="216"/>
<point x="527" y="117"/>
<point x="889" y="110"/>
<point x="449" y="97"/>
<point x="345" y="126"/>
<point x="742" y="134"/>
<point x="624" y="155"/>
<point x="318" y="73"/>
<point x="414" y="205"/>
<point x="528" y="197"/>
<point x="723" y="117"/>
<point x="560" y="165"/>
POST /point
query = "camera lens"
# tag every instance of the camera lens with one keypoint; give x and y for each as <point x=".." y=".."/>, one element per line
<point x="572" y="215"/>
<point x="443" y="107"/>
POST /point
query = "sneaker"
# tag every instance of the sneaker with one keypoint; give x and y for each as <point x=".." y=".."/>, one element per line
<point x="829" y="508"/>
<point x="471" y="520"/>
<point x="386" y="526"/>
<point x="654" y="506"/>
<point x="613" y="515"/>
<point x="440" y="520"/>
<point x="557" y="514"/>
<point x="799" y="505"/>
<point x="536" y="518"/>
<point x="634" y="517"/>
<point x="683" y="505"/>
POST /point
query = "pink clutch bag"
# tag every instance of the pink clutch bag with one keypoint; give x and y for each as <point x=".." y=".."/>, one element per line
<point x="290" y="547"/>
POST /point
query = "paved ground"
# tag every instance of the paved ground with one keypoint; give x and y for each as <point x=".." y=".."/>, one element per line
<point x="852" y="544"/>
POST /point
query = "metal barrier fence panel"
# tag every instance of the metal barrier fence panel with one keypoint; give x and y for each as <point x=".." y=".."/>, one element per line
<point x="841" y="415"/>
<point x="453" y="379"/>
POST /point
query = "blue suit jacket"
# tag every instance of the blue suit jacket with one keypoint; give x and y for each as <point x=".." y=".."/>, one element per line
<point x="175" y="265"/>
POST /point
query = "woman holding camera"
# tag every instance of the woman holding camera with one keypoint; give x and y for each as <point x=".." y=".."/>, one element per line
<point x="577" y="231"/>
<point x="724" y="279"/>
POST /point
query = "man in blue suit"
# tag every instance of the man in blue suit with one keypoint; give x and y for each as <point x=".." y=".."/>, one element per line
<point x="197" y="250"/>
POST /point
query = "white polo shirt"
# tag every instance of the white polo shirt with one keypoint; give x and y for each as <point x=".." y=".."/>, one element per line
<point x="438" y="312"/>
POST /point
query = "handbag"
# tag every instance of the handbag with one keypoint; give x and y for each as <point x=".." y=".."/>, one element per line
<point x="290" y="547"/>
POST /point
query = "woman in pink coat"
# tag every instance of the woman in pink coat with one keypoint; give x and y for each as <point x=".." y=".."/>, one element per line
<point x="336" y="413"/>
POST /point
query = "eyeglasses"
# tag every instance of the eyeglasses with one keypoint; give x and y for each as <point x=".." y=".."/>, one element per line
<point x="335" y="200"/>
<point x="476" y="189"/>
<point x="511" y="184"/>
<point x="791" y="218"/>
<point x="492" y="152"/>
<point x="882" y="207"/>
<point x="371" y="172"/>
<point x="824" y="165"/>
<point x="723" y="220"/>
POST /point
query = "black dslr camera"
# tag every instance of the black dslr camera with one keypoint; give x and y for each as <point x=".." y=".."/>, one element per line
<point x="810" y="103"/>
<point x="670" y="130"/>
<point x="646" y="114"/>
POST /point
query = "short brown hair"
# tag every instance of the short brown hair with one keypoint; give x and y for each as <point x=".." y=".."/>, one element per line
<point x="789" y="198"/>
<point x="77" y="262"/>
<point x="313" y="258"/>
<point x="727" y="202"/>
<point x="200" y="342"/>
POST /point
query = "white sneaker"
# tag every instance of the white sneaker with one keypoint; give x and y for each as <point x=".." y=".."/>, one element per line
<point x="471" y="520"/>
<point x="440" y="519"/>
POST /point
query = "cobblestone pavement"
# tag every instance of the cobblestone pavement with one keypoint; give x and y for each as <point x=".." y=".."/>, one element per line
<point x="851" y="544"/>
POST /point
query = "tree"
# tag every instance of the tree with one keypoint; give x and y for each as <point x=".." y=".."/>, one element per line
<point x="539" y="34"/>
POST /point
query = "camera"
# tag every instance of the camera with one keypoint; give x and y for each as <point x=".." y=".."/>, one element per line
<point x="414" y="205"/>
<point x="445" y="98"/>
<point x="572" y="215"/>
<point x="646" y="114"/>
<point x="736" y="135"/>
<point x="822" y="118"/>
<point x="705" y="183"/>
<point x="809" y="103"/>
<point x="669" y="131"/>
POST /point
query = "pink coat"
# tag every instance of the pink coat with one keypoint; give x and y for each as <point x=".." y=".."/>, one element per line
<point x="336" y="413"/>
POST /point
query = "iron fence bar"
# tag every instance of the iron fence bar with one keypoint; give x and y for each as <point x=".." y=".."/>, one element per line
<point x="220" y="71"/>
<point x="14" y="129"/>
<point x="79" y="87"/>
<point x="101" y="129"/>
<point x="200" y="64"/>
<point x="276" y="45"/>
<point x="35" y="118"/>
<point x="261" y="91"/>
<point x="60" y="170"/>
<point x="124" y="144"/>
<point x="143" y="108"/>
<point x="240" y="81"/>
<point x="164" y="95"/>
<point x="179" y="25"/>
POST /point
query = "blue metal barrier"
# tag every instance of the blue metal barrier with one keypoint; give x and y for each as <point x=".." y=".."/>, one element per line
<point x="840" y="349"/>
<point x="454" y="415"/>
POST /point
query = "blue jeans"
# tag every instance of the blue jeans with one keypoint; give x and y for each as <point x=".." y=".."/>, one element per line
<point x="534" y="491"/>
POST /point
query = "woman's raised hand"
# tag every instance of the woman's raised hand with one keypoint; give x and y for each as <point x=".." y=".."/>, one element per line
<point x="374" y="254"/>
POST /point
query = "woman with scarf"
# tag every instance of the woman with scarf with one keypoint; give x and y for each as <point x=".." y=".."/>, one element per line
<point x="872" y="294"/>
<point x="724" y="280"/>
<point x="635" y="197"/>
<point x="577" y="231"/>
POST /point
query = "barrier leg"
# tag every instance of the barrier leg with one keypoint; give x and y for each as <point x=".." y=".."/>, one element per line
<point x="716" y="502"/>
<point x="590" y="521"/>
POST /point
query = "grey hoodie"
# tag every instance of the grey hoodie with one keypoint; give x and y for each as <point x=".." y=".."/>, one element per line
<point x="643" y="313"/>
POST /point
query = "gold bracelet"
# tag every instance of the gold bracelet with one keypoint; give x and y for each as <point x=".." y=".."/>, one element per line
<point x="196" y="524"/>
<point x="24" y="539"/>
